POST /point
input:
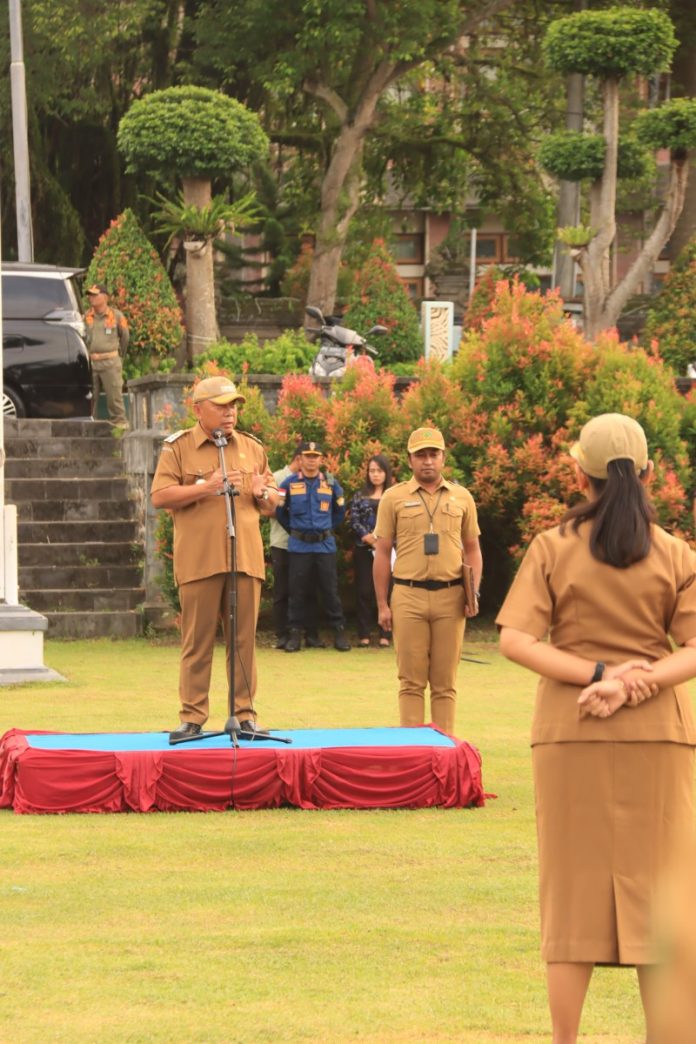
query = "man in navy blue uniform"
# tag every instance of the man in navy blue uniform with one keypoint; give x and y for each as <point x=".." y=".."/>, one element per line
<point x="312" y="505"/>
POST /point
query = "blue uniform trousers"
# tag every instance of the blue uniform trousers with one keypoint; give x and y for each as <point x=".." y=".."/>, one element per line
<point x="306" y="570"/>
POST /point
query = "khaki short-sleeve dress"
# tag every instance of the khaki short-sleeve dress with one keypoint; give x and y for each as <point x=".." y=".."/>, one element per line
<point x="613" y="796"/>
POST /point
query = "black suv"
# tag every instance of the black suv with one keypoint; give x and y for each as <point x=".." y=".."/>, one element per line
<point x="46" y="369"/>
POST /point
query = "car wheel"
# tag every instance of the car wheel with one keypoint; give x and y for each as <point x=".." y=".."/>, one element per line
<point x="12" y="405"/>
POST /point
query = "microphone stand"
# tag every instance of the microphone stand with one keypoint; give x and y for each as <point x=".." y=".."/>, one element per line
<point x="232" y="727"/>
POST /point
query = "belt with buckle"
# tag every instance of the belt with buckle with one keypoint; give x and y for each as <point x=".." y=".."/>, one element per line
<point x="103" y="355"/>
<point x="428" y="585"/>
<point x="311" y="538"/>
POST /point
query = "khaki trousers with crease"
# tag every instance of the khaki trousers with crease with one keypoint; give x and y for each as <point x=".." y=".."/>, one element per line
<point x="203" y="604"/>
<point x="428" y="636"/>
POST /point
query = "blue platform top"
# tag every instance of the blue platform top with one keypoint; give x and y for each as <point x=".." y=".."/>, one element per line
<point x="302" y="739"/>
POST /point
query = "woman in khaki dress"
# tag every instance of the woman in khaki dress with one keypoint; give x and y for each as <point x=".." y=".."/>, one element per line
<point x="613" y="732"/>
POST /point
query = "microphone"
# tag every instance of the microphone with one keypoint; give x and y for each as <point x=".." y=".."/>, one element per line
<point x="219" y="437"/>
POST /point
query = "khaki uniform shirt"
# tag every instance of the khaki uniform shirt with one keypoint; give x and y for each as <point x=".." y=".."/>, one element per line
<point x="201" y="541"/>
<point x="402" y="517"/>
<point x="106" y="332"/>
<point x="597" y="611"/>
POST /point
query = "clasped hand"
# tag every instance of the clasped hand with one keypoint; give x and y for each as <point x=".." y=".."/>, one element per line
<point x="623" y="685"/>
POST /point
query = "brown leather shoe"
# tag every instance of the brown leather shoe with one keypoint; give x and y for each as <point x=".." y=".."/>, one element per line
<point x="186" y="730"/>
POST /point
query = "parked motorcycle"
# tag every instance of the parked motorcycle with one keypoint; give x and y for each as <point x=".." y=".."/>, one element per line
<point x="338" y="345"/>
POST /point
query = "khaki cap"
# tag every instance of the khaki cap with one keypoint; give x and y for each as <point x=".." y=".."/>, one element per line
<point x="611" y="436"/>
<point x="219" y="390"/>
<point x="425" y="438"/>
<point x="97" y="288"/>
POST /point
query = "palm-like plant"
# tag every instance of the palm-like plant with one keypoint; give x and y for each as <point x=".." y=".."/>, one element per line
<point x="176" y="217"/>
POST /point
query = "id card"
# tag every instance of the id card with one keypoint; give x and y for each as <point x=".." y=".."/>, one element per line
<point x="431" y="543"/>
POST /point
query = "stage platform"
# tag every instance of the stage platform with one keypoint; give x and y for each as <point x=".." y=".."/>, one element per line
<point x="46" y="772"/>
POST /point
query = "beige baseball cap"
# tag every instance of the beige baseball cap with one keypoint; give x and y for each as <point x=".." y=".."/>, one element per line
<point x="425" y="438"/>
<point x="611" y="436"/>
<point x="219" y="390"/>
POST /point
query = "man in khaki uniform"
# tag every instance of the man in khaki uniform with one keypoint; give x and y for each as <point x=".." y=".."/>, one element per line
<point x="434" y="527"/>
<point x="187" y="482"/>
<point x="107" y="340"/>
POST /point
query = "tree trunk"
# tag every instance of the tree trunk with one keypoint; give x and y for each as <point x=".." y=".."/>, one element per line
<point x="340" y="197"/>
<point x="201" y="321"/>
<point x="569" y="194"/>
<point x="595" y="260"/>
<point x="684" y="85"/>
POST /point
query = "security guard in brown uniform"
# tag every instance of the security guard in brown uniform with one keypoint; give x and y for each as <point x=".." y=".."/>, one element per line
<point x="107" y="338"/>
<point x="187" y="482"/>
<point x="433" y="525"/>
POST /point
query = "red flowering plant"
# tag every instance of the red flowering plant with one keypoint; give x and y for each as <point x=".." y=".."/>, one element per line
<point x="379" y="297"/>
<point x="528" y="381"/>
<point x="127" y="263"/>
<point x="672" y="316"/>
<point x="300" y="415"/>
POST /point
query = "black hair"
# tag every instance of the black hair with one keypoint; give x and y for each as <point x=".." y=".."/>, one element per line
<point x="620" y="513"/>
<point x="381" y="461"/>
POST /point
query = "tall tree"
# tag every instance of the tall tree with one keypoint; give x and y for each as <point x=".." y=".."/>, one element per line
<point x="346" y="56"/>
<point x="85" y="64"/>
<point x="609" y="45"/>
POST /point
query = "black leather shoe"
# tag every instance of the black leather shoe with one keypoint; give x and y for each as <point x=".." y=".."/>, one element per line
<point x="294" y="642"/>
<point x="185" y="731"/>
<point x="281" y="641"/>
<point x="341" y="642"/>
<point x="312" y="641"/>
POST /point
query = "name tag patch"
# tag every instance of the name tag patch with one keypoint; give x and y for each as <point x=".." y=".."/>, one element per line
<point x="297" y="488"/>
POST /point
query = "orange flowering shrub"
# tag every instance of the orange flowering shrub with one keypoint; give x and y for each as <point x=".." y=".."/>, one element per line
<point x="127" y="263"/>
<point x="509" y="406"/>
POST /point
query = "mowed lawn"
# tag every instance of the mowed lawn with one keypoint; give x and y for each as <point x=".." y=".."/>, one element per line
<point x="281" y="925"/>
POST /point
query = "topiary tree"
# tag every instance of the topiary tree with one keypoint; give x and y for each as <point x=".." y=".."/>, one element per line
<point x="379" y="296"/>
<point x="195" y="134"/>
<point x="126" y="262"/>
<point x="612" y="44"/>
<point x="672" y="318"/>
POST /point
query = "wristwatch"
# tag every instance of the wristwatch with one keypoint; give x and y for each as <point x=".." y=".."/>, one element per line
<point x="598" y="672"/>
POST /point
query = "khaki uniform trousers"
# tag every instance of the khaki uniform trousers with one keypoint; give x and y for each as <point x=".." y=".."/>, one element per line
<point x="203" y="604"/>
<point x="428" y="636"/>
<point x="108" y="374"/>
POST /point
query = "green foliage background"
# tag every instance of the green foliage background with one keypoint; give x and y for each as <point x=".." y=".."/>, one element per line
<point x="672" y="316"/>
<point x="378" y="297"/>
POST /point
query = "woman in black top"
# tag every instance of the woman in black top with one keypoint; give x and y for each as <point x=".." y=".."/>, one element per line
<point x="363" y="514"/>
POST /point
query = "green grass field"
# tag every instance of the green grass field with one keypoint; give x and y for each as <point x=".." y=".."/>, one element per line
<point x="281" y="925"/>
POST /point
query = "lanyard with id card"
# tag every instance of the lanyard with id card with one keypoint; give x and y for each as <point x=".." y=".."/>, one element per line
<point x="431" y="539"/>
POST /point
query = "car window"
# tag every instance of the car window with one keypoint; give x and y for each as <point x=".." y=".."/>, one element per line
<point x="31" y="297"/>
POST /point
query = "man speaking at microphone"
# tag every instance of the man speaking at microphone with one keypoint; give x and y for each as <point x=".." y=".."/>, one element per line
<point x="187" y="482"/>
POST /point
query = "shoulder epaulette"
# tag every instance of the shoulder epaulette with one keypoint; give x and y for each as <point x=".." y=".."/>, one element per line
<point x="249" y="436"/>
<point x="176" y="435"/>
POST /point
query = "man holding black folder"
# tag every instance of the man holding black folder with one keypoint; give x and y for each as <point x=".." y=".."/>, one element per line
<point x="433" y="526"/>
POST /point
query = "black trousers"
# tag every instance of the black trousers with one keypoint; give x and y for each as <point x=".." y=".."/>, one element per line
<point x="365" y="601"/>
<point x="281" y="590"/>
<point x="309" y="571"/>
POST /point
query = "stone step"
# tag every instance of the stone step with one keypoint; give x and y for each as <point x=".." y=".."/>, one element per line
<point x="126" y="624"/>
<point x="19" y="490"/>
<point x="41" y="469"/>
<point x="24" y="427"/>
<point x="76" y="510"/>
<point x="85" y="600"/>
<point x="72" y="448"/>
<point x="77" y="532"/>
<point x="81" y="553"/>
<point x="78" y="576"/>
